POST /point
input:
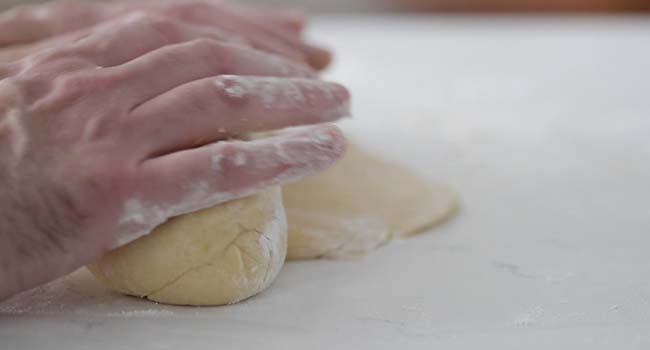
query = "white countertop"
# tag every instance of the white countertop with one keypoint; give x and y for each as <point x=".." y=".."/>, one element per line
<point x="543" y="127"/>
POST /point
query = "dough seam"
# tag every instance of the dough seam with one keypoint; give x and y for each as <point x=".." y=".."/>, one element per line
<point x="268" y="267"/>
<point x="176" y="279"/>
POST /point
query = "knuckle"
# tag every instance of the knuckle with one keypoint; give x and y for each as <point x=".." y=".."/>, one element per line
<point x="188" y="9"/>
<point x="207" y="44"/>
<point x="153" y="20"/>
<point x="196" y="100"/>
<point x="48" y="57"/>
<point x="156" y="25"/>
<point x="286" y="67"/>
<point x="232" y="90"/>
<point x="231" y="159"/>
<point x="46" y="73"/>
<point x="104" y="177"/>
<point x="63" y="58"/>
<point x="74" y="86"/>
<point x="213" y="53"/>
<point x="139" y="17"/>
<point x="102" y="79"/>
<point x="69" y="87"/>
<point x="147" y="23"/>
<point x="238" y="40"/>
<point x="73" y="83"/>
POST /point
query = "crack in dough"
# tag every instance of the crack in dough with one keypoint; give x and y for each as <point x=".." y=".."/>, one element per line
<point x="176" y="279"/>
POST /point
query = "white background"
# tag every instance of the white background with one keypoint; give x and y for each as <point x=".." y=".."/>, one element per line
<point x="543" y="128"/>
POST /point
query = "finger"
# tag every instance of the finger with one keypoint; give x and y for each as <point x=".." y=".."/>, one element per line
<point x="221" y="15"/>
<point x="106" y="44"/>
<point x="265" y="36"/>
<point x="263" y="39"/>
<point x="198" y="59"/>
<point x="260" y="29"/>
<point x="199" y="178"/>
<point x="26" y="24"/>
<point x="292" y="20"/>
<point x="216" y="108"/>
<point x="275" y="22"/>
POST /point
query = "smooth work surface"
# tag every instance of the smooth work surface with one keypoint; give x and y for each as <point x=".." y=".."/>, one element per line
<point x="541" y="125"/>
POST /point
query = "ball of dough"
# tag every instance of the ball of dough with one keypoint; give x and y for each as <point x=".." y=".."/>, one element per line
<point x="216" y="256"/>
<point x="358" y="204"/>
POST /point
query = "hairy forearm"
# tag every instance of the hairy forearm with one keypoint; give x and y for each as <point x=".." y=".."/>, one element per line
<point x="34" y="244"/>
<point x="8" y="280"/>
<point x="20" y="250"/>
<point x="14" y="237"/>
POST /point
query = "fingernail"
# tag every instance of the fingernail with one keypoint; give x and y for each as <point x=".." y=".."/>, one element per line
<point x="342" y="95"/>
<point x="318" y="57"/>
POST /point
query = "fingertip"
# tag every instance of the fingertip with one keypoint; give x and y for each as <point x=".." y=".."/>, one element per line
<point x="283" y="158"/>
<point x="343" y="93"/>
<point x="332" y="138"/>
<point x="339" y="97"/>
<point x="294" y="19"/>
<point x="318" y="57"/>
<point x="315" y="148"/>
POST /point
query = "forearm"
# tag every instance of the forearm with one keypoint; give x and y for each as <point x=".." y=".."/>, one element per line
<point x="9" y="283"/>
<point x="15" y="251"/>
<point x="20" y="251"/>
<point x="35" y="239"/>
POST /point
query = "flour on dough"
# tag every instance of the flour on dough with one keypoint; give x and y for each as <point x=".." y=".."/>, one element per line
<point x="358" y="204"/>
<point x="216" y="256"/>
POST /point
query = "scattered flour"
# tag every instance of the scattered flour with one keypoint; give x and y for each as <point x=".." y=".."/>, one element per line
<point x="240" y="159"/>
<point x="530" y="318"/>
<point x="141" y="313"/>
<point x="279" y="93"/>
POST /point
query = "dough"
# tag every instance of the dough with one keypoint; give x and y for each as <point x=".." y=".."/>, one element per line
<point x="216" y="256"/>
<point x="230" y="252"/>
<point x="358" y="204"/>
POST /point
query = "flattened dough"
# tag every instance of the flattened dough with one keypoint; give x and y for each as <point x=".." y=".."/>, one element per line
<point x="216" y="256"/>
<point x="358" y="204"/>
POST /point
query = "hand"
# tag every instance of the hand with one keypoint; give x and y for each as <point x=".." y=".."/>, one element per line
<point x="279" y="32"/>
<point x="108" y="136"/>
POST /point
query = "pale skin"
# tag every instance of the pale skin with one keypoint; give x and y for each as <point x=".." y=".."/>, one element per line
<point x="103" y="136"/>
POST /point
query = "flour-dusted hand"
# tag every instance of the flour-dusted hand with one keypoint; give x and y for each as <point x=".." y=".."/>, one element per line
<point x="106" y="137"/>
<point x="275" y="31"/>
